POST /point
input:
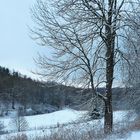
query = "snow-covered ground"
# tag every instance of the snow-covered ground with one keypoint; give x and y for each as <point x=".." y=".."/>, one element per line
<point x="46" y="120"/>
<point x="40" y="125"/>
<point x="134" y="136"/>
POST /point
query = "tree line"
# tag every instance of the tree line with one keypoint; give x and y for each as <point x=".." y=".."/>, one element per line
<point x="17" y="88"/>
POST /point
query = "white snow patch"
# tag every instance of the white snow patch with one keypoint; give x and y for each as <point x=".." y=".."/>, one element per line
<point x="134" y="136"/>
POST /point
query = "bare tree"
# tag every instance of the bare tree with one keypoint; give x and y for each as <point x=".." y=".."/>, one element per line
<point x="19" y="122"/>
<point x="132" y="75"/>
<point x="83" y="35"/>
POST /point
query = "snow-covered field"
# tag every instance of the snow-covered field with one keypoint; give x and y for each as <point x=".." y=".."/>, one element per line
<point x="40" y="125"/>
<point x="46" y="120"/>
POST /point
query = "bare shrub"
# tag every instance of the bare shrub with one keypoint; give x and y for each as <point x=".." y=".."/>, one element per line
<point x="72" y="134"/>
<point x="18" y="137"/>
<point x="2" y="128"/>
<point x="19" y="122"/>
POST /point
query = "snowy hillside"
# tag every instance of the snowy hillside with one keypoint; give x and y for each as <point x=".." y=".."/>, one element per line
<point x="40" y="125"/>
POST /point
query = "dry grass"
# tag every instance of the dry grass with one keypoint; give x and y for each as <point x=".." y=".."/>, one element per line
<point x="18" y="137"/>
<point x="72" y="135"/>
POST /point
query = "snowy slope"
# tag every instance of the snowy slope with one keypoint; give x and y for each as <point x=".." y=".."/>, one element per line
<point x="46" y="120"/>
<point x="40" y="125"/>
<point x="53" y="119"/>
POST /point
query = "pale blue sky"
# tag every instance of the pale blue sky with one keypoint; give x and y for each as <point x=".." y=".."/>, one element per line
<point x="17" y="49"/>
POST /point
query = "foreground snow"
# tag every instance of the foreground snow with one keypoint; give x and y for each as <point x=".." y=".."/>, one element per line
<point x="40" y="125"/>
<point x="134" y="136"/>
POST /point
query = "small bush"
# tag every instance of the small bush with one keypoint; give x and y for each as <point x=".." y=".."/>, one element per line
<point x="2" y="128"/>
<point x="18" y="137"/>
<point x="19" y="124"/>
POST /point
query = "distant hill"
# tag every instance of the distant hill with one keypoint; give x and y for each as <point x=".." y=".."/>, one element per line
<point x="16" y="88"/>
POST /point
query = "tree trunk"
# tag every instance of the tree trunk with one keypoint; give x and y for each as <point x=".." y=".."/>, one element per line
<point x="13" y="99"/>
<point x="108" y="124"/>
<point x="110" y="44"/>
<point x="13" y="103"/>
<point x="108" y="121"/>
